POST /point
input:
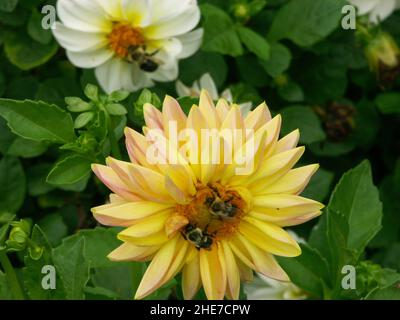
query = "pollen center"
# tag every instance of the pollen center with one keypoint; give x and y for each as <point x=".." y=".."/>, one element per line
<point x="214" y="214"/>
<point x="122" y="37"/>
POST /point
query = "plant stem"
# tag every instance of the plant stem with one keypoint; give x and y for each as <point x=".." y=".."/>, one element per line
<point x="12" y="278"/>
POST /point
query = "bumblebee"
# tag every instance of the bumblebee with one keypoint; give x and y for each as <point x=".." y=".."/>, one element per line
<point x="222" y="209"/>
<point x="196" y="236"/>
<point x="146" y="61"/>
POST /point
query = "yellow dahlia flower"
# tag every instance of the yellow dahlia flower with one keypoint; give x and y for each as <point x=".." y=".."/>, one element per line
<point x="208" y="219"/>
<point x="130" y="43"/>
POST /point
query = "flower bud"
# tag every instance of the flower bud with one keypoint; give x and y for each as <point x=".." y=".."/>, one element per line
<point x="241" y="11"/>
<point x="383" y="56"/>
<point x="19" y="235"/>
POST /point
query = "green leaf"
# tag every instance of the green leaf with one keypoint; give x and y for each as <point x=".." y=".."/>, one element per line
<point x="37" y="184"/>
<point x="26" y="53"/>
<point x="304" y="119"/>
<point x="254" y="42"/>
<point x="116" y="109"/>
<point x="54" y="227"/>
<point x="25" y="148"/>
<point x="37" y="121"/>
<point x="99" y="293"/>
<point x="92" y="92"/>
<point x="119" y="95"/>
<point x="11" y="144"/>
<point x="16" y="18"/>
<point x="69" y="170"/>
<point x="306" y="22"/>
<point x="252" y="72"/>
<point x="309" y="270"/>
<point x="77" y="104"/>
<point x="123" y="278"/>
<point x="193" y="68"/>
<point x="5" y="291"/>
<point x="391" y="292"/>
<point x="291" y="92"/>
<point x="83" y="119"/>
<point x="388" y="102"/>
<point x="73" y="268"/>
<point x="279" y="60"/>
<point x="12" y="184"/>
<point x="99" y="243"/>
<point x="32" y="272"/>
<point x="219" y="32"/>
<point x="331" y="149"/>
<point x="136" y="113"/>
<point x="354" y="216"/>
<point x="389" y="194"/>
<point x="8" y="5"/>
<point x="36" y="31"/>
<point x="2" y="80"/>
<point x="322" y="78"/>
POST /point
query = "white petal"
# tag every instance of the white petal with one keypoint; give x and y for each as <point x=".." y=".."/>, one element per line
<point x="181" y="89"/>
<point x="113" y="8"/>
<point x="207" y="83"/>
<point x="191" y="42"/>
<point x="138" y="12"/>
<point x="167" y="9"/>
<point x="109" y="75"/>
<point x="174" y="26"/>
<point x="74" y="40"/>
<point x="168" y="70"/>
<point x="91" y="58"/>
<point x="245" y="108"/>
<point x="227" y="95"/>
<point x="364" y="6"/>
<point x="117" y="74"/>
<point x="83" y="15"/>
<point x="165" y="73"/>
<point x="383" y="10"/>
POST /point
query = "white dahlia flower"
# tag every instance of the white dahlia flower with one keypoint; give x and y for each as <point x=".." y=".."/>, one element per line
<point x="206" y="82"/>
<point x="378" y="10"/>
<point x="130" y="43"/>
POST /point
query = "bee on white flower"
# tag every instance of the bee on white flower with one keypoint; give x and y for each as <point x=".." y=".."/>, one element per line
<point x="206" y="82"/>
<point x="130" y="43"/>
<point x="377" y="10"/>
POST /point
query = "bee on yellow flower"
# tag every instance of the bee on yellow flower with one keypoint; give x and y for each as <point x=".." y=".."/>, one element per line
<point x="196" y="213"/>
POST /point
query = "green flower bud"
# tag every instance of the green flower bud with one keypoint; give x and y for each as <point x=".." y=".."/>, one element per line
<point x="241" y="11"/>
<point x="382" y="50"/>
<point x="19" y="235"/>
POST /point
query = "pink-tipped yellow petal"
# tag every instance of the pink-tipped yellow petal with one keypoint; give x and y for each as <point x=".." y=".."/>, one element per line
<point x="130" y="252"/>
<point x="288" y="142"/>
<point x="126" y="213"/>
<point x="114" y="183"/>
<point x="292" y="182"/>
<point x="269" y="237"/>
<point x="258" y="117"/>
<point x="152" y="117"/>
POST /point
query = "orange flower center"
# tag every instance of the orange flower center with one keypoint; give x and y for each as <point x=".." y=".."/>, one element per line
<point x="122" y="37"/>
<point x="213" y="214"/>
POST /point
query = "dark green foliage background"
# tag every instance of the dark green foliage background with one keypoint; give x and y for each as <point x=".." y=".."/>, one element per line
<point x="291" y="53"/>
